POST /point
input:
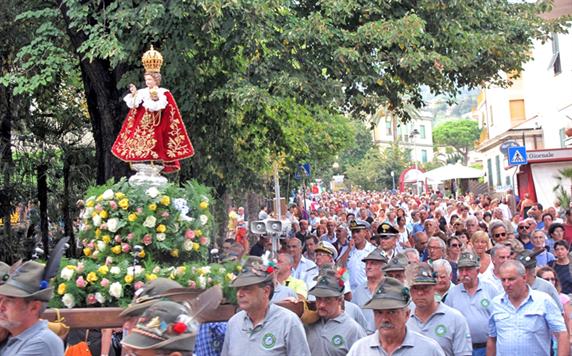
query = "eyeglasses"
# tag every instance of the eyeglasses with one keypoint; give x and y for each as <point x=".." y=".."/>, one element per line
<point x="500" y="234"/>
<point x="523" y="227"/>
<point x="455" y="245"/>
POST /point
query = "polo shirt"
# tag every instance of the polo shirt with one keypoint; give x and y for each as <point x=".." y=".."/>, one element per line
<point x="333" y="337"/>
<point x="282" y="292"/>
<point x="414" y="344"/>
<point x="280" y="333"/>
<point x="491" y="278"/>
<point x="360" y="296"/>
<point x="355" y="265"/>
<point x="525" y="330"/>
<point x="355" y="312"/>
<point x="36" y="340"/>
<point x="448" y="327"/>
<point x="475" y="308"/>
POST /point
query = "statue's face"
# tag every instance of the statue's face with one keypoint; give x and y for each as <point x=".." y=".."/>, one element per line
<point x="150" y="81"/>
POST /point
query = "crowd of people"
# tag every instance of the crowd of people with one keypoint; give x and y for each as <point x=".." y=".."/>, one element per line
<point x="376" y="273"/>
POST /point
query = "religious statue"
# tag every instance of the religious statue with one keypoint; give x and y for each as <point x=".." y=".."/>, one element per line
<point x="153" y="132"/>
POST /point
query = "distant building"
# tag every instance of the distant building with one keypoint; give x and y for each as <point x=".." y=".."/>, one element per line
<point x="416" y="135"/>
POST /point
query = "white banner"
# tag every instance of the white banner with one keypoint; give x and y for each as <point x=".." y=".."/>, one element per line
<point x="544" y="176"/>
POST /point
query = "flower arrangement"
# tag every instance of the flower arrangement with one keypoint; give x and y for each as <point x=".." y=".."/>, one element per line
<point x="167" y="224"/>
<point x="87" y="283"/>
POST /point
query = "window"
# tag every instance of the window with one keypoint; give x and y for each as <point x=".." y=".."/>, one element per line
<point x="507" y="181"/>
<point x="424" y="156"/>
<point x="498" y="166"/>
<point x="555" y="60"/>
<point x="388" y="128"/>
<point x="490" y="171"/>
<point x="422" y="131"/>
<point x="517" y="110"/>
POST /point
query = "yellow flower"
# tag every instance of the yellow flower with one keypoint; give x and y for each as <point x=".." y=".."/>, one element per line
<point x="87" y="251"/>
<point x="165" y="200"/>
<point x="106" y="239"/>
<point x="103" y="270"/>
<point x="97" y="232"/>
<point x="161" y="228"/>
<point x="124" y="203"/>
<point x="196" y="246"/>
<point x="230" y="277"/>
<point x="62" y="289"/>
<point x="142" y="254"/>
<point x="119" y="195"/>
<point x="128" y="278"/>
<point x="203" y="205"/>
<point x="72" y="267"/>
<point x="103" y="214"/>
<point x="175" y="252"/>
<point x="150" y="277"/>
<point x="90" y="203"/>
<point x="239" y="268"/>
<point x="181" y="270"/>
<point x="92" y="277"/>
<point x="198" y="233"/>
<point x="116" y="249"/>
<point x="94" y="214"/>
<point x="99" y="198"/>
<point x="132" y="217"/>
<point x="152" y="206"/>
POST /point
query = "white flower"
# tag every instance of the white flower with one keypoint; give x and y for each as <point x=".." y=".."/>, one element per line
<point x="96" y="220"/>
<point x="181" y="205"/>
<point x="161" y="236"/>
<point x="185" y="218"/>
<point x="112" y="224"/>
<point x="202" y="282"/>
<point x="135" y="271"/>
<point x="87" y="213"/>
<point x="108" y="194"/>
<point x="188" y="245"/>
<point x="157" y="269"/>
<point x="204" y="198"/>
<point x="203" y="219"/>
<point x="150" y="221"/>
<point x="100" y="298"/>
<point x="68" y="300"/>
<point x="115" y="270"/>
<point x="67" y="273"/>
<point x="116" y="290"/>
<point x="152" y="192"/>
<point x="101" y="246"/>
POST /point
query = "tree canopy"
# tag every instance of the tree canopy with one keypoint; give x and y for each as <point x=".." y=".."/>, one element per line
<point x="459" y="134"/>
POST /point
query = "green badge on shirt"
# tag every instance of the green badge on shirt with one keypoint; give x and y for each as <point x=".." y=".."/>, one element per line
<point x="440" y="330"/>
<point x="268" y="340"/>
<point x="338" y="341"/>
<point x="485" y="302"/>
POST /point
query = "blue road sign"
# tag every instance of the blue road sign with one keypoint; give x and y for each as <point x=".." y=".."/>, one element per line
<point x="517" y="156"/>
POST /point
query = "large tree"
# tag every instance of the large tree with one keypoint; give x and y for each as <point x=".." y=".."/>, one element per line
<point x="240" y="70"/>
<point x="460" y="134"/>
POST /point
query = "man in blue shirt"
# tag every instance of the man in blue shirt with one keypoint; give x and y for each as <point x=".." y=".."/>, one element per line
<point x="523" y="320"/>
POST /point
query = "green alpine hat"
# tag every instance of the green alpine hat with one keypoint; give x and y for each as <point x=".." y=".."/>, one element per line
<point x="468" y="259"/>
<point x="389" y="294"/>
<point x="254" y="271"/>
<point x="397" y="263"/>
<point x="149" y="294"/>
<point x="328" y="283"/>
<point x="423" y="276"/>
<point x="165" y="325"/>
<point x="375" y="255"/>
<point x="4" y="275"/>
<point x="26" y="281"/>
<point x="528" y="258"/>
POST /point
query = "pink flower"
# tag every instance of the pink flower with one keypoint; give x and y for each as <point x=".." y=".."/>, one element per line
<point x="139" y="210"/>
<point x="104" y="283"/>
<point x="80" y="267"/>
<point x="113" y="204"/>
<point x="130" y="236"/>
<point x="189" y="234"/>
<point x="98" y="208"/>
<point x="192" y="284"/>
<point x="91" y="299"/>
<point x="147" y="239"/>
<point x="84" y="242"/>
<point x="165" y="214"/>
<point x="103" y="226"/>
<point x="91" y="245"/>
<point x="118" y="239"/>
<point x="125" y="248"/>
<point x="138" y="285"/>
<point x="203" y="240"/>
<point x="108" y="260"/>
<point x="80" y="282"/>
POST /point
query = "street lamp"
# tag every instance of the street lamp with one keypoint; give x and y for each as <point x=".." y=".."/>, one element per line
<point x="393" y="179"/>
<point x="412" y="136"/>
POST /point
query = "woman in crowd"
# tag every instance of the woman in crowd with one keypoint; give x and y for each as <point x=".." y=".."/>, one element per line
<point x="405" y="238"/>
<point x="481" y="244"/>
<point x="555" y="233"/>
<point x="454" y="245"/>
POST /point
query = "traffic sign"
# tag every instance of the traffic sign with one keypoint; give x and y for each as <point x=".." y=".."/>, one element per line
<point x="517" y="156"/>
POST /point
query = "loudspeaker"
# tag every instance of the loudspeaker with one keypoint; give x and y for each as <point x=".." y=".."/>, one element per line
<point x="258" y="227"/>
<point x="274" y="226"/>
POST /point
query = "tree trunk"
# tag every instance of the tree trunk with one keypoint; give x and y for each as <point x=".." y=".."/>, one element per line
<point x="68" y="222"/>
<point x="42" y="171"/>
<point x="6" y="164"/>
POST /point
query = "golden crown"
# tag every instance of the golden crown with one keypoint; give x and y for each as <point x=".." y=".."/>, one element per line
<point x="152" y="61"/>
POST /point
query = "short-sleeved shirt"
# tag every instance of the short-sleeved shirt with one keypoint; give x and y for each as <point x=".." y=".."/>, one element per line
<point x="360" y="296"/>
<point x="541" y="285"/>
<point x="414" y="344"/>
<point x="282" y="292"/>
<point x="280" y="333"/>
<point x="526" y="330"/>
<point x="36" y="340"/>
<point x="475" y="308"/>
<point x="492" y="279"/>
<point x="356" y="313"/>
<point x="448" y="327"/>
<point x="305" y="271"/>
<point x="355" y="265"/>
<point x="333" y="337"/>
